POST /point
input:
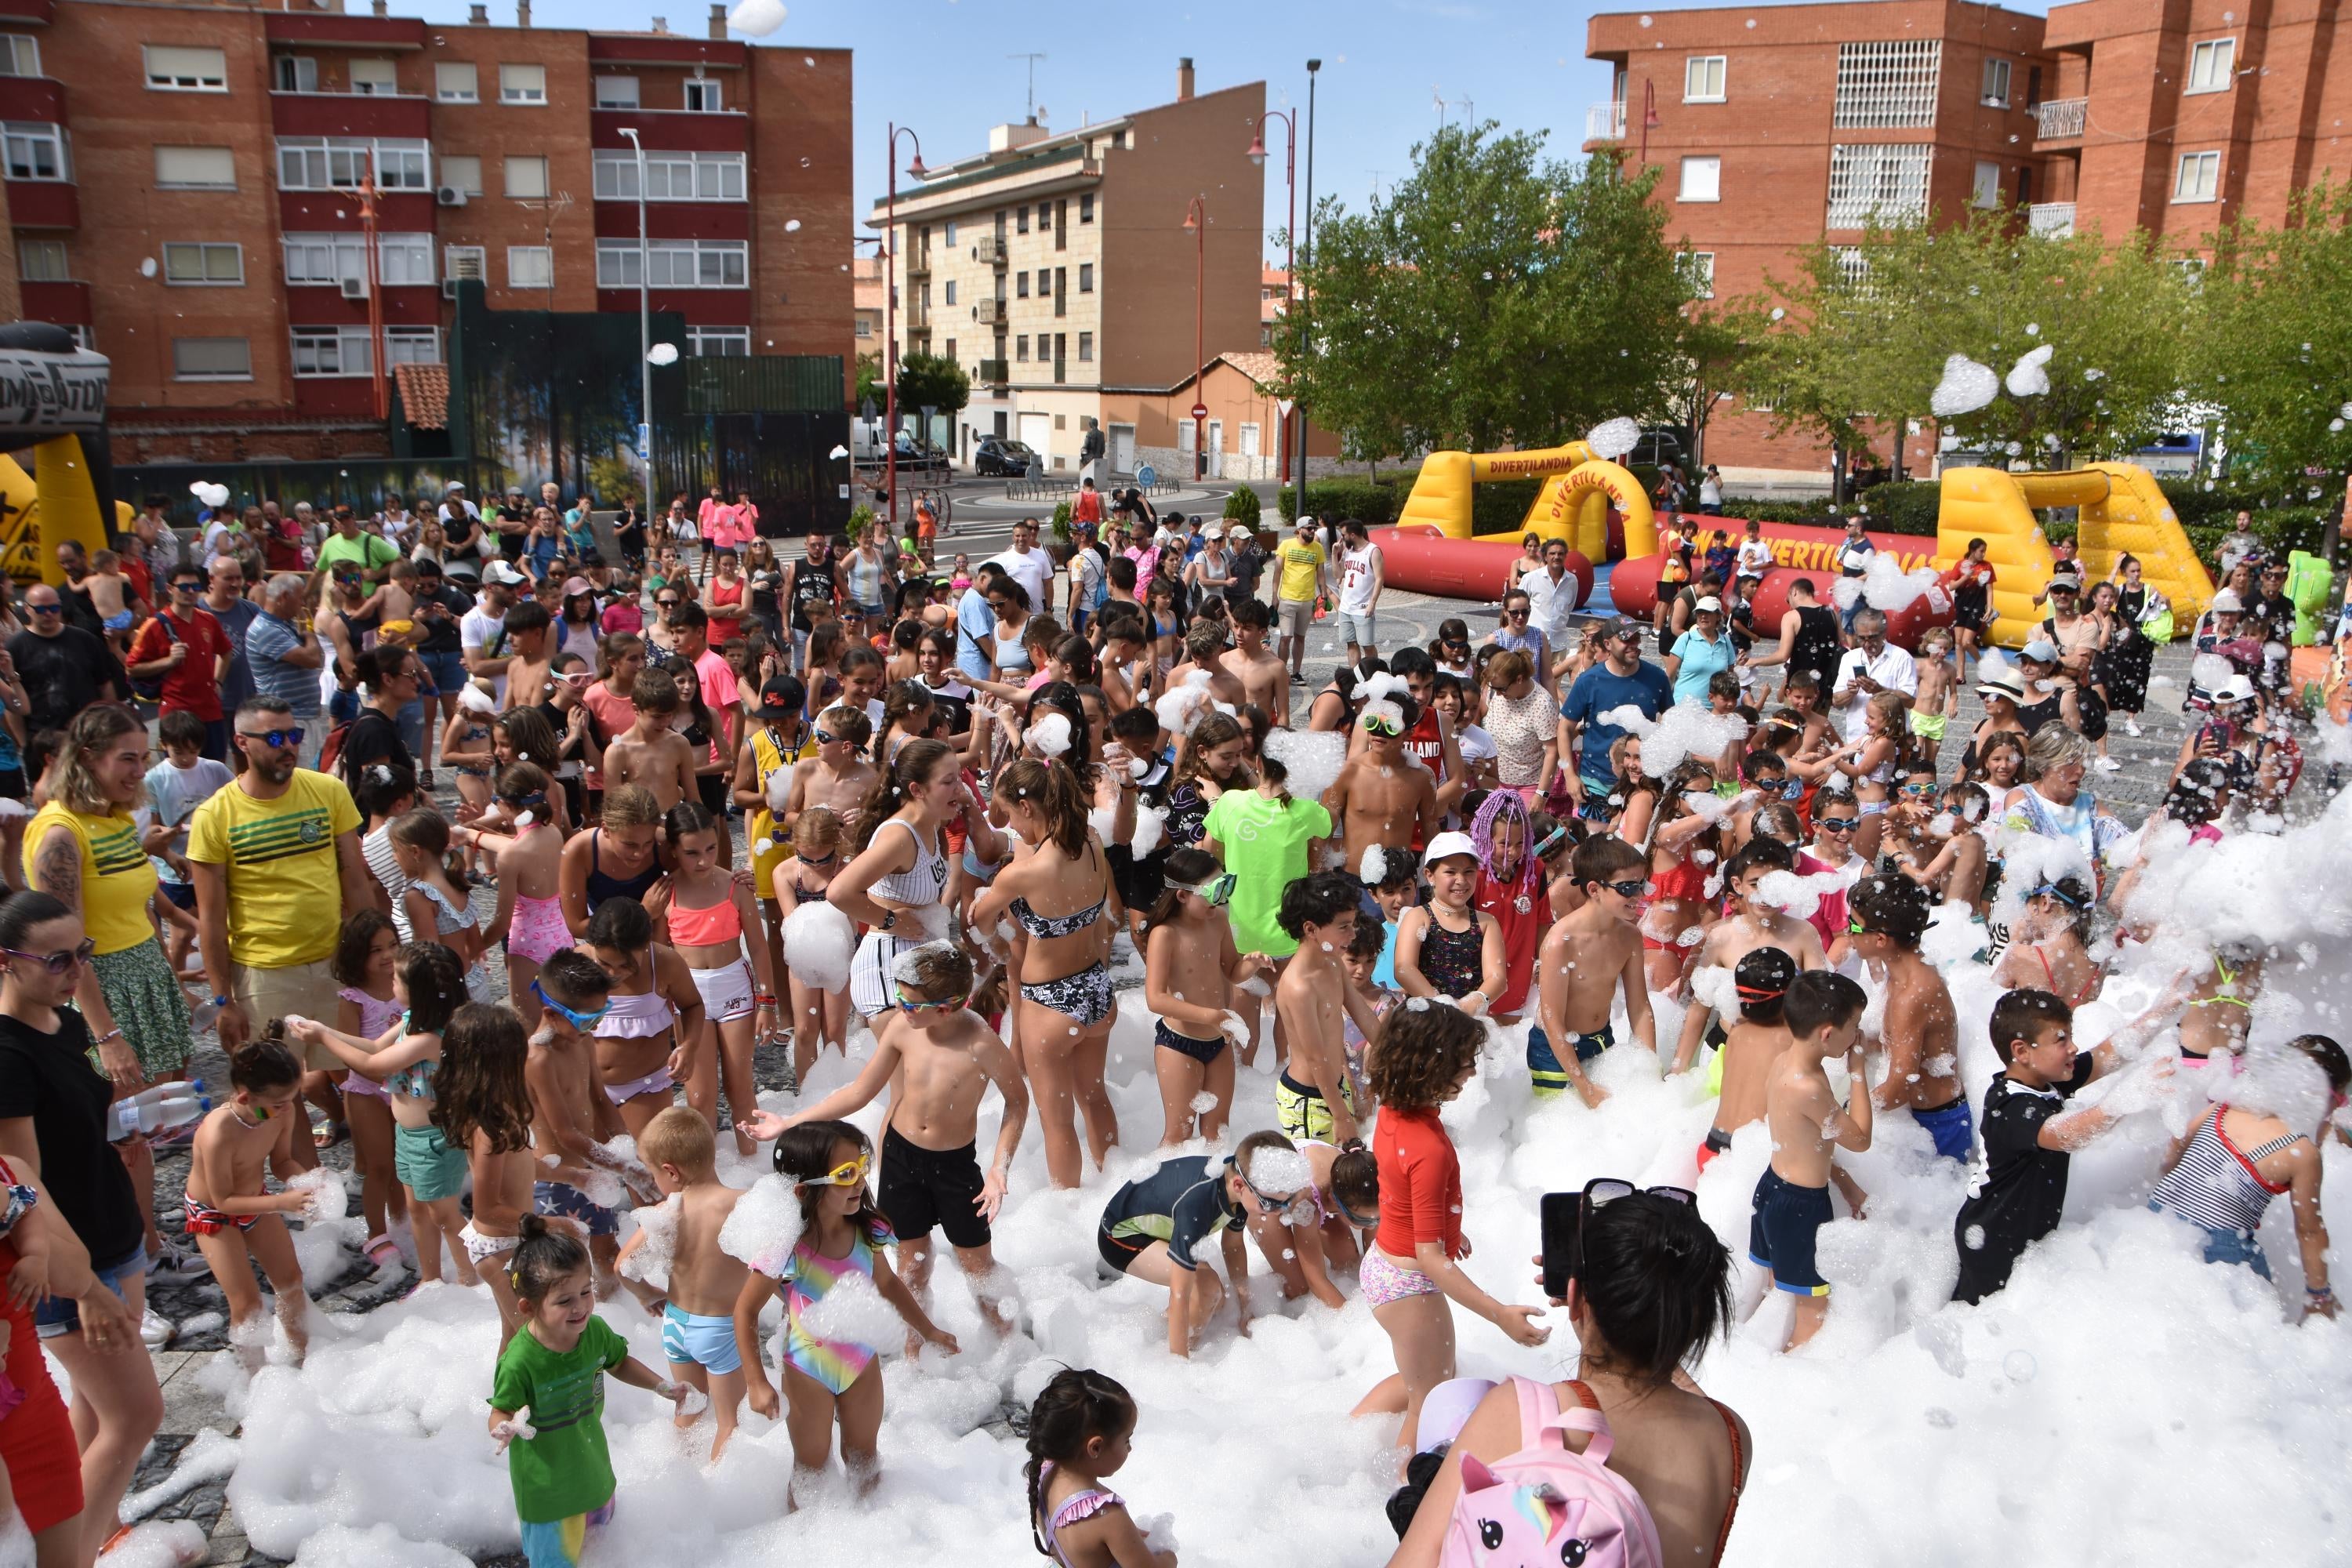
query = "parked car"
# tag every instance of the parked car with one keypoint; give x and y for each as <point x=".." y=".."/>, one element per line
<point x="1001" y="456"/>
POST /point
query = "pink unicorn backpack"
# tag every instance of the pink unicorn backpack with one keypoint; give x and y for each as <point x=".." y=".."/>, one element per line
<point x="1547" y="1507"/>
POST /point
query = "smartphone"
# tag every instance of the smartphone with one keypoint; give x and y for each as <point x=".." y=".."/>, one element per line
<point x="1562" y="1215"/>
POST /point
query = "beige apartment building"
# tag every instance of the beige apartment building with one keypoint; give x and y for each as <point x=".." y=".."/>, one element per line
<point x="1056" y="268"/>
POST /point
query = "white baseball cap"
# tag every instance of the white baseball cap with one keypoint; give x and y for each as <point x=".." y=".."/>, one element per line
<point x="1710" y="605"/>
<point x="1447" y="845"/>
<point x="500" y="573"/>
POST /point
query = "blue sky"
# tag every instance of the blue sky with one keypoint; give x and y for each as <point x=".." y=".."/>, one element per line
<point x="940" y="65"/>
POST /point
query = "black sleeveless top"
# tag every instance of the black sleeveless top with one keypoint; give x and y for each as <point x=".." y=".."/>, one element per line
<point x="1816" y="646"/>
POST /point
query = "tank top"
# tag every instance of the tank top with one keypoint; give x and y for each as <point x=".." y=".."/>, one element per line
<point x="2214" y="1183"/>
<point x="770" y="758"/>
<point x="813" y="587"/>
<point x="1010" y="654"/>
<point x="603" y="885"/>
<point x="1816" y="645"/>
<point x="919" y="884"/>
<point x="1452" y="960"/>
<point x="865" y="580"/>
<point x="713" y="925"/>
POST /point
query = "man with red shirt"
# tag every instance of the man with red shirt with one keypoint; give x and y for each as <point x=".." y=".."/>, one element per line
<point x="187" y="649"/>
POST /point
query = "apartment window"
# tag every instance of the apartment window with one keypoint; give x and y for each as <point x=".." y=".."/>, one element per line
<point x="1086" y="276"/>
<point x="670" y="176"/>
<point x="404" y="259"/>
<point x="212" y="359"/>
<point x="1698" y="270"/>
<point x="530" y="267"/>
<point x="456" y="81"/>
<point x="1888" y="86"/>
<point x="348" y="351"/>
<point x="1853" y="265"/>
<point x="1087" y="209"/>
<point x="527" y="178"/>
<point x="1996" y="84"/>
<point x="172" y="69"/>
<point x="951" y="236"/>
<point x="460" y="262"/>
<point x="1021" y="285"/>
<point x="522" y="84"/>
<point x="2199" y="177"/>
<point x="1062" y="225"/>
<point x="295" y="73"/>
<point x="203" y="263"/>
<point x="1702" y="180"/>
<point x="1886" y="183"/>
<point x="1061" y="353"/>
<point x="1021" y="220"/>
<point x="951" y="299"/>
<point x="952" y="349"/>
<point x="19" y="55"/>
<point x="338" y="162"/>
<point x="1021" y="348"/>
<point x="403" y="166"/>
<point x="463" y="171"/>
<point x="1702" y="78"/>
<point x="195" y="169"/>
<point x="702" y="95"/>
<point x="324" y="258"/>
<point x="1061" y="290"/>
<point x="1985" y="192"/>
<point x="718" y="342"/>
<point x="864" y="327"/>
<point x="36" y="151"/>
<point x="2211" y="64"/>
<point x="616" y="92"/>
<point x="1085" y="348"/>
<point x="675" y="263"/>
<point x="375" y="77"/>
<point x="42" y="261"/>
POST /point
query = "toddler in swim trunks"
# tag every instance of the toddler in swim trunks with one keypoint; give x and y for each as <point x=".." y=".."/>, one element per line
<point x="699" y="1320"/>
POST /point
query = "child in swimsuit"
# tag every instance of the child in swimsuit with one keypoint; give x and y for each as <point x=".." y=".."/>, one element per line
<point x="1186" y="980"/>
<point x="367" y="1007"/>
<point x="1319" y="1231"/>
<point x="429" y="985"/>
<point x="237" y="1221"/>
<point x="1448" y="948"/>
<point x="646" y="1040"/>
<point x="438" y="907"/>
<point x="705" y="1279"/>
<point x="466" y="745"/>
<point x="818" y="1017"/>
<point x="483" y="1107"/>
<point x="830" y="1381"/>
<point x="709" y="938"/>
<point x="1079" y="1431"/>
<point x="1362" y="956"/>
<point x="528" y="862"/>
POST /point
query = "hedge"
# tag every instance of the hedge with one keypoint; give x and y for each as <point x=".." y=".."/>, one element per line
<point x="1241" y="507"/>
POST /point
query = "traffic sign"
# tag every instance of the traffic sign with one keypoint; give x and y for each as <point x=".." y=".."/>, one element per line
<point x="1200" y="411"/>
<point x="1147" y="476"/>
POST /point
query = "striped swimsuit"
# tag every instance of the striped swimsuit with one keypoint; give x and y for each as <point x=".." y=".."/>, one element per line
<point x="809" y="1277"/>
<point x="2220" y="1190"/>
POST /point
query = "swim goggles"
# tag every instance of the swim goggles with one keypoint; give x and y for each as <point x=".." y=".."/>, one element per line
<point x="1215" y="891"/>
<point x="579" y="1020"/>
<point x="1837" y="824"/>
<point x="944" y="1004"/>
<point x="2053" y="890"/>
<point x="1921" y="791"/>
<point x="1376" y="725"/>
<point x="1853" y="927"/>
<point x="1271" y="1203"/>
<point x="847" y="1175"/>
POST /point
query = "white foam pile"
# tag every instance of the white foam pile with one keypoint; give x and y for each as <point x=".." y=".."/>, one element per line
<point x="819" y="941"/>
<point x="326" y="1196"/>
<point x="1885" y="586"/>
<point x="764" y="1226"/>
<point x="655" y="1245"/>
<point x="1800" y="896"/>
<point x="1312" y="759"/>
<point x="855" y="1312"/>
<point x="1186" y="705"/>
<point x="1050" y="736"/>
<point x="1683" y="731"/>
<point x="2119" y="1399"/>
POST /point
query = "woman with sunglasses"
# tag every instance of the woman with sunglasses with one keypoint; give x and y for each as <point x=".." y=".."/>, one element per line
<point x="55" y="1120"/>
<point x="1649" y="1287"/>
<point x="85" y="850"/>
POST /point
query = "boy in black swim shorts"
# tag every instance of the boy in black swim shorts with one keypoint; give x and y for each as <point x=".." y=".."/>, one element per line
<point x="1823" y="1014"/>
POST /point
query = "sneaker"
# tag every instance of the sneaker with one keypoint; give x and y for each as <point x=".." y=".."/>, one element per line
<point x="2108" y="765"/>
<point x="2131" y="726"/>
<point x="174" y="1264"/>
<point x="155" y="1331"/>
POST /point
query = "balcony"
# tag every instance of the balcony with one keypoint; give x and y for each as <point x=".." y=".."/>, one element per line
<point x="1605" y="122"/>
<point x="989" y="312"/>
<point x="2060" y="119"/>
<point x="44" y="204"/>
<point x="398" y="116"/>
<point x="991" y="249"/>
<point x="920" y="264"/>
<point x="993" y="372"/>
<point x="2053" y="219"/>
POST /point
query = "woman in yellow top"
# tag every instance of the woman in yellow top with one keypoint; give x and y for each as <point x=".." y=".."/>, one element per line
<point x="84" y="849"/>
<point x="770" y="748"/>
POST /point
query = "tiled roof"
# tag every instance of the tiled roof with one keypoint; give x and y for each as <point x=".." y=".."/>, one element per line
<point x="424" y="395"/>
<point x="1263" y="368"/>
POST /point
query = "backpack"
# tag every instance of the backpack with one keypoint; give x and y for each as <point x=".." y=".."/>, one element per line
<point x="149" y="690"/>
<point x="1545" y="1506"/>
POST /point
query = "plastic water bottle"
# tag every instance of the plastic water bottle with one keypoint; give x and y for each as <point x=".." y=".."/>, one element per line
<point x="157" y="1110"/>
<point x="201" y="1015"/>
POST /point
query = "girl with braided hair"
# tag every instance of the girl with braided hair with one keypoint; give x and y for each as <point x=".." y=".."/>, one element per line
<point x="1511" y="888"/>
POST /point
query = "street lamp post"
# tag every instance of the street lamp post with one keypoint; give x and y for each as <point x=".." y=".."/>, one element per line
<point x="1298" y="302"/>
<point x="1289" y="240"/>
<point x="645" y="322"/>
<point x="1196" y="219"/>
<point x="890" y="315"/>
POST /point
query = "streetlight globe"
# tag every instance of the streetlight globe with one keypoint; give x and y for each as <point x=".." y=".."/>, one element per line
<point x="1257" y="150"/>
<point x="915" y="167"/>
<point x="1189" y="224"/>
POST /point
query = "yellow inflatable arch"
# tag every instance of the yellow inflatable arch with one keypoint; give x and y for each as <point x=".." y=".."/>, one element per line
<point x="1573" y="503"/>
<point x="52" y="399"/>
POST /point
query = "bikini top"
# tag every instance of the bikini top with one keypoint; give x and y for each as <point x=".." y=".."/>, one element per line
<point x="1076" y="1507"/>
<point x="376" y="1014"/>
<point x="638" y="1015"/>
<point x="2052" y="976"/>
<point x="601" y="886"/>
<point x="713" y="925"/>
<point x="1036" y="925"/>
<point x="446" y="916"/>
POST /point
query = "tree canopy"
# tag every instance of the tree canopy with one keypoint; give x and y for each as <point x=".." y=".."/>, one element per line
<point x="2276" y="348"/>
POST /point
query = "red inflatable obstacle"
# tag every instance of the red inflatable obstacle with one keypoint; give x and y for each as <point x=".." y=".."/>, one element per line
<point x="1797" y="552"/>
<point x="1419" y="559"/>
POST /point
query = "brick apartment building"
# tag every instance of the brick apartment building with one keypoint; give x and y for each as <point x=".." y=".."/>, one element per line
<point x="181" y="190"/>
<point x="1776" y="126"/>
<point x="1055" y="266"/>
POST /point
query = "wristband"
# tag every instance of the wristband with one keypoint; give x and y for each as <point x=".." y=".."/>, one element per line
<point x="2318" y="1292"/>
<point x="113" y="1033"/>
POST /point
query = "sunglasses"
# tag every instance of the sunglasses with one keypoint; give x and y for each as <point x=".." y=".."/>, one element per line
<point x="824" y="737"/>
<point x="187" y="587"/>
<point x="1214" y="891"/>
<point x="57" y="963"/>
<point x="274" y="738"/>
<point x="1632" y="889"/>
<point x="579" y="1020"/>
<point x="1837" y="824"/>
<point x="1375" y="725"/>
<point x="665" y="604"/>
<point x="46" y="609"/>
<point x="1517" y="614"/>
<point x="1598" y="1194"/>
<point x="850" y="1174"/>
<point x="943" y="1005"/>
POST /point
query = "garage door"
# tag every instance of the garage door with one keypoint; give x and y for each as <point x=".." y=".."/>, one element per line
<point x="1036" y="433"/>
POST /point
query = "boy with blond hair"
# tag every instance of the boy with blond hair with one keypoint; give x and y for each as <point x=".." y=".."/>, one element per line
<point x="699" y="1320"/>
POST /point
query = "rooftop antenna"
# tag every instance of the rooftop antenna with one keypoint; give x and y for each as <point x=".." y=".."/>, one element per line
<point x="1033" y="59"/>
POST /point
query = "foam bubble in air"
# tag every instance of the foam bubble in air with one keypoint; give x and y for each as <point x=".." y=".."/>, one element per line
<point x="1683" y="731"/>
<point x="1312" y="759"/>
<point x="1151" y="823"/>
<point x="2029" y="376"/>
<point x="1050" y="736"/>
<point x="1887" y="587"/>
<point x="764" y="1226"/>
<point x="1612" y="438"/>
<point x="1373" y="866"/>
<point x="1966" y="387"/>
<point x="819" y="941"/>
<point x="757" y="17"/>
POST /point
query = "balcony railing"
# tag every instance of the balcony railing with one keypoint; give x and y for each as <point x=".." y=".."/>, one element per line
<point x="2057" y="119"/>
<point x="994" y="372"/>
<point x="989" y="312"/>
<point x="989" y="249"/>
<point x="1605" y="122"/>
<point x="2055" y="219"/>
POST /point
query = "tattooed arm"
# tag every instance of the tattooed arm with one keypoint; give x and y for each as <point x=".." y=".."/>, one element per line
<point x="56" y="871"/>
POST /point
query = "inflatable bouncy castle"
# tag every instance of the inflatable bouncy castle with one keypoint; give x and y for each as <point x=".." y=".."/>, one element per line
<point x="53" y="400"/>
<point x="1430" y="549"/>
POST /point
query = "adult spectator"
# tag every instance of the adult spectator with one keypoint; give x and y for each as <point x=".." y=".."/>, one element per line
<point x="1517" y="633"/>
<point x="189" y="652"/>
<point x="1030" y="565"/>
<point x="1305" y="577"/>
<point x="2002" y="692"/>
<point x="1809" y="637"/>
<point x="510" y="524"/>
<point x="1710" y="492"/>
<point x="440" y="609"/>
<point x="812" y="587"/>
<point x="976" y="621"/>
<point x="1872" y="666"/>
<point x="482" y="630"/>
<point x="64" y="669"/>
<point x="2053" y="802"/>
<point x="1854" y="555"/>
<point x="54" y="1126"/>
<point x="224" y="600"/>
<point x="461" y="530"/>
<point x="1086" y="507"/>
<point x="1622" y="679"/>
<point x="276" y="860"/>
<point x="1551" y="592"/>
<point x="388" y="678"/>
<point x="1362" y="577"/>
<point x="1700" y="654"/>
<point x="85" y="850"/>
<point x="285" y="541"/>
<point x="1649" y="1287"/>
<point x="1249" y="559"/>
<point x="80" y="610"/>
<point x="286" y="656"/>
<point x="225" y="531"/>
<point x="2240" y="543"/>
<point x="371" y="552"/>
<point x="1521" y="721"/>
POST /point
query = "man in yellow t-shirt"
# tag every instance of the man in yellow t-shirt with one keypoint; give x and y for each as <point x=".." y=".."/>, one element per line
<point x="1302" y="581"/>
<point x="275" y="857"/>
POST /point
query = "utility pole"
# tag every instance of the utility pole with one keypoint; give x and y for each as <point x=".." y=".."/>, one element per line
<point x="1032" y="58"/>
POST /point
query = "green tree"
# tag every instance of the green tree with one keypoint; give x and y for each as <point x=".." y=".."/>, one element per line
<point x="2276" y="350"/>
<point x="927" y="380"/>
<point x="1712" y="346"/>
<point x="1494" y="296"/>
<point x="869" y="380"/>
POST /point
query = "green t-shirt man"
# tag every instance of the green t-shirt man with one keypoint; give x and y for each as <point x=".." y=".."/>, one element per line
<point x="370" y="551"/>
<point x="1265" y="844"/>
<point x="566" y="1469"/>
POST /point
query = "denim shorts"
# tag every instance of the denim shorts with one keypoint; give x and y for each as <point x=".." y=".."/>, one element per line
<point x="448" y="669"/>
<point x="61" y="1315"/>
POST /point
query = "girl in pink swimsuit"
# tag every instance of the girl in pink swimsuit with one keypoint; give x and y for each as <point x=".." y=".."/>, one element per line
<point x="527" y="859"/>
<point x="1080" y="1430"/>
<point x="368" y="1007"/>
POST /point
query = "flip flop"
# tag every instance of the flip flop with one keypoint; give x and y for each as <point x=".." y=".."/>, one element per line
<point x="328" y="1136"/>
<point x="382" y="1251"/>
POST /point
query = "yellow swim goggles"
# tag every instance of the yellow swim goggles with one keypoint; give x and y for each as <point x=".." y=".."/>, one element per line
<point x="848" y="1176"/>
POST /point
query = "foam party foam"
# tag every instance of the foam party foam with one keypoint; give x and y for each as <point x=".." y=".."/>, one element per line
<point x="655" y="1250"/>
<point x="765" y="1224"/>
<point x="1312" y="758"/>
<point x="2029" y="376"/>
<point x="1683" y="731"/>
<point x="2115" y="1354"/>
<point x="1966" y="387"/>
<point x="1612" y="438"/>
<point x="819" y="943"/>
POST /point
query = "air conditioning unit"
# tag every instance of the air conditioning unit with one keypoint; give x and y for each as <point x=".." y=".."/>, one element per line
<point x="355" y="288"/>
<point x="450" y="195"/>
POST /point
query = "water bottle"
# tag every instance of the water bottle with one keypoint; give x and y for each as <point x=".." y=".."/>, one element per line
<point x="202" y="1015"/>
<point x="157" y="1110"/>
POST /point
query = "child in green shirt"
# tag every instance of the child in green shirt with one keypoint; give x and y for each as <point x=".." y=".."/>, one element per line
<point x="548" y="1401"/>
